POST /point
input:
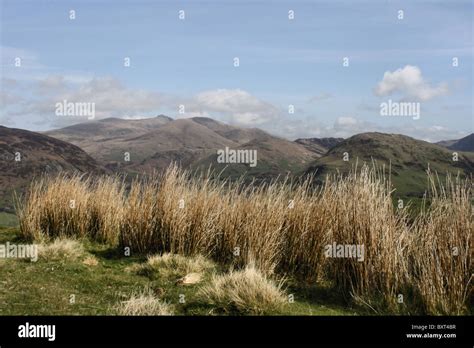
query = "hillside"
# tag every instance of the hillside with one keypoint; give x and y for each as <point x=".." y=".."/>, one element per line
<point x="319" y="145"/>
<point x="463" y="144"/>
<point x="408" y="158"/>
<point x="275" y="157"/>
<point x="39" y="154"/>
<point x="101" y="138"/>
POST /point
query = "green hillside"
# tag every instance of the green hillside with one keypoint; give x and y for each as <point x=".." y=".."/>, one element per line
<point x="406" y="158"/>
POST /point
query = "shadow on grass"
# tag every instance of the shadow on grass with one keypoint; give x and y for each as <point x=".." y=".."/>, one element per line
<point x="11" y="234"/>
<point x="322" y="294"/>
<point x="113" y="253"/>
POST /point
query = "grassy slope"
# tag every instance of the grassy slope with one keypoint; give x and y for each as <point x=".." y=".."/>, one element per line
<point x="409" y="159"/>
<point x="44" y="287"/>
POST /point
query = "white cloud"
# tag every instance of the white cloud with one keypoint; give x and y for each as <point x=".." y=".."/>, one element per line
<point x="236" y="106"/>
<point x="345" y="121"/>
<point x="348" y="125"/>
<point x="111" y="98"/>
<point x="409" y="82"/>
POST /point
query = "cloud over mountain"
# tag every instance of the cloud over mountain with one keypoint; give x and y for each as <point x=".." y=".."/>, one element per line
<point x="237" y="106"/>
<point x="409" y="82"/>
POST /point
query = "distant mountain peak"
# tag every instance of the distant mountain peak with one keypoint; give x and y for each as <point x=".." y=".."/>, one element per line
<point x="463" y="144"/>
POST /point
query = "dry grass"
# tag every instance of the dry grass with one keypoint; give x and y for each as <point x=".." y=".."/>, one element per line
<point x="281" y="227"/>
<point x="91" y="261"/>
<point x="144" y="304"/>
<point x="60" y="249"/>
<point x="247" y="291"/>
<point x="441" y="250"/>
<point x="190" y="279"/>
<point x="66" y="206"/>
<point x="175" y="265"/>
<point x="363" y="215"/>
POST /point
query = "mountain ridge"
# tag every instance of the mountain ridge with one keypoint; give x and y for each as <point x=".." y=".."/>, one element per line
<point x="463" y="144"/>
<point x="26" y="154"/>
<point x="407" y="158"/>
<point x="189" y="141"/>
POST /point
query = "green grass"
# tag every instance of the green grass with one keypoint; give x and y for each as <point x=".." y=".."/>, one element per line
<point x="8" y="220"/>
<point x="45" y="287"/>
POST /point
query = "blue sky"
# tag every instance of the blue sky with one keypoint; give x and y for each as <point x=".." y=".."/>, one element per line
<point x="190" y="62"/>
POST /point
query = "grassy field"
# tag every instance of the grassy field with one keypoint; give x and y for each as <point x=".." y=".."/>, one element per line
<point x="102" y="277"/>
<point x="255" y="236"/>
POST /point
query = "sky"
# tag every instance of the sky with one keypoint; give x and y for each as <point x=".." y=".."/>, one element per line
<point x="291" y="79"/>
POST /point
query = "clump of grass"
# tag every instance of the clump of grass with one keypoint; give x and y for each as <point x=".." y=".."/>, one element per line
<point x="307" y="220"/>
<point x="362" y="214"/>
<point x="141" y="221"/>
<point x="189" y="213"/>
<point x="55" y="207"/>
<point x="173" y="265"/>
<point x="60" y="249"/>
<point x="72" y="206"/>
<point x="144" y="303"/>
<point x="441" y="250"/>
<point x="105" y="209"/>
<point x="262" y="221"/>
<point x="247" y="291"/>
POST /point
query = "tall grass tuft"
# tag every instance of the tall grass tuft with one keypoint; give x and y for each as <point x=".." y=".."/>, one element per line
<point x="362" y="214"/>
<point x="72" y="206"/>
<point x="247" y="291"/>
<point x="441" y="250"/>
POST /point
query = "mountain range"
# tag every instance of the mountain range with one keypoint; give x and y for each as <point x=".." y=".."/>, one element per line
<point x="144" y="145"/>
<point x="152" y="144"/>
